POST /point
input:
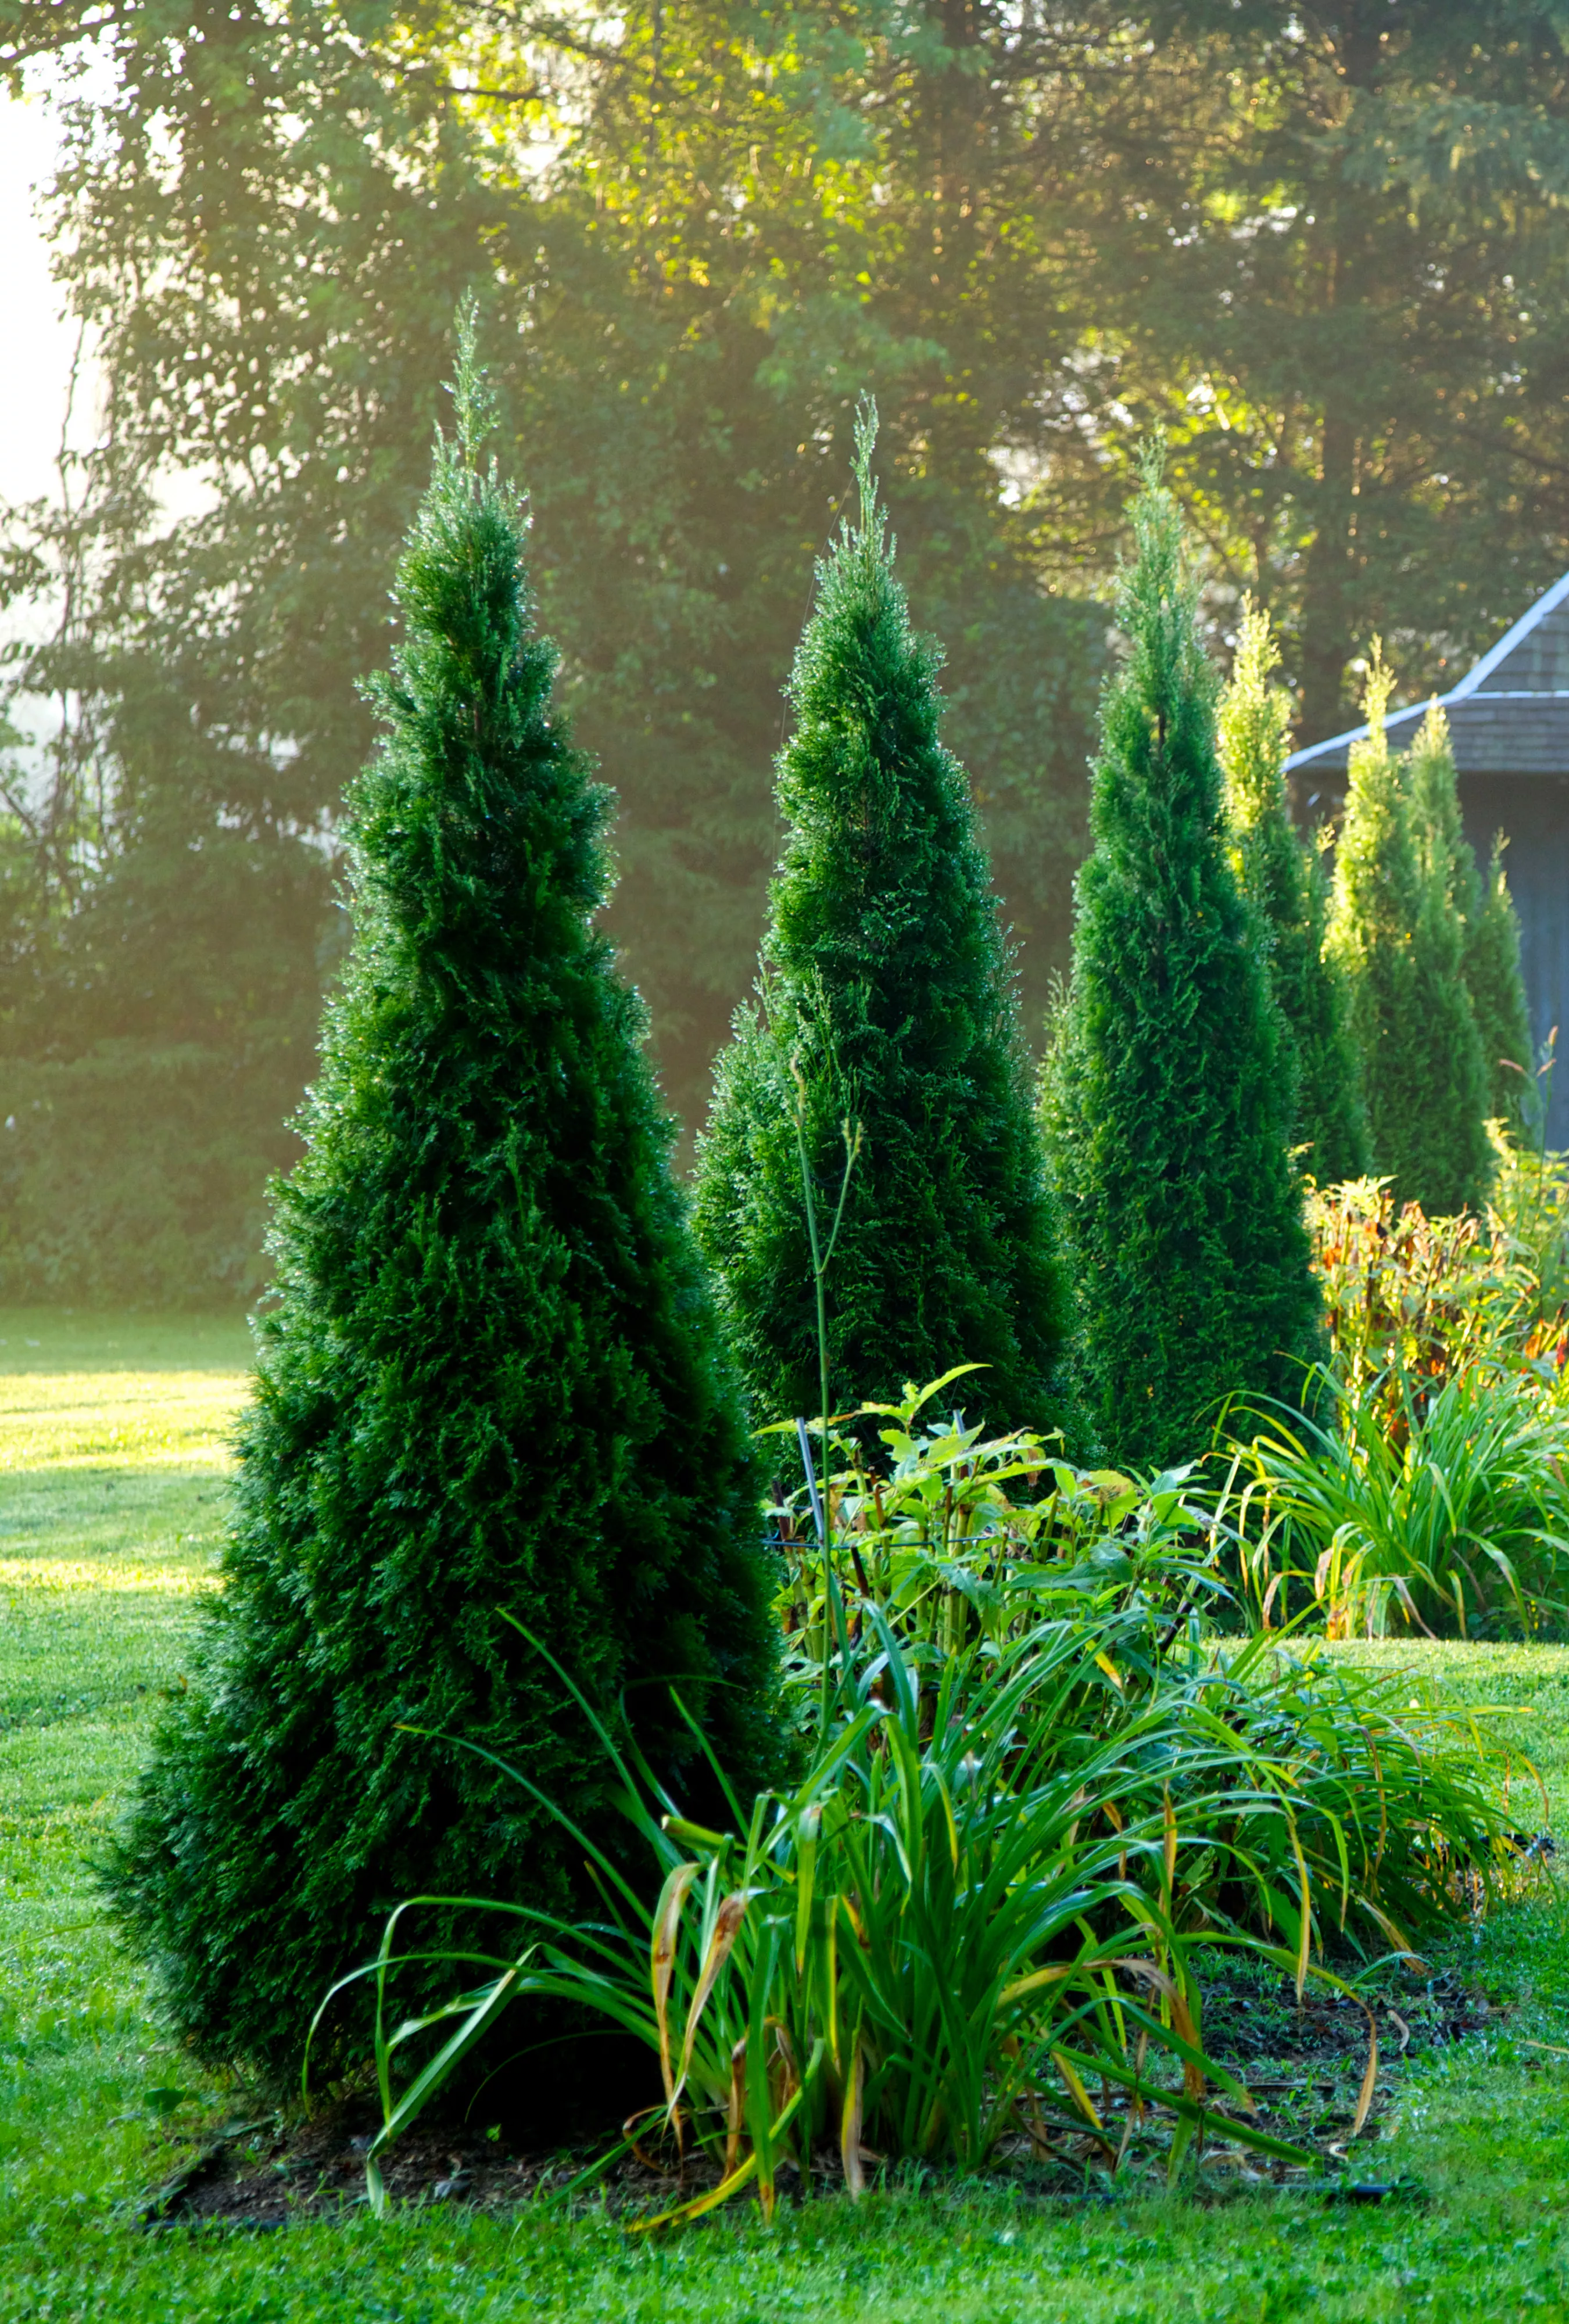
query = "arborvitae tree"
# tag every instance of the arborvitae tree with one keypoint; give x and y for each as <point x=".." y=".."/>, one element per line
<point x="1284" y="881"/>
<point x="1438" y="833"/>
<point x="1498" y="995"/>
<point x="1491" y="931"/>
<point x="492" y="1382"/>
<point x="887" y="1001"/>
<point x="1169" y="1101"/>
<point x="1400" y="942"/>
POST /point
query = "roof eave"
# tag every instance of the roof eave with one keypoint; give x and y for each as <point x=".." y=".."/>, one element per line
<point x="1547" y="603"/>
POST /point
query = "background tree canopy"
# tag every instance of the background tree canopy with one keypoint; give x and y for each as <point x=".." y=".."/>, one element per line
<point x="1324" y="247"/>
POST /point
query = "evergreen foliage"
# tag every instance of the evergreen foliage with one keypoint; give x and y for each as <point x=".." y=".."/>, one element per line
<point x="1498" y="995"/>
<point x="1490" y="930"/>
<point x="886" y="1000"/>
<point x="1169" y="1099"/>
<point x="492" y="1382"/>
<point x="1284" y="881"/>
<point x="1442" y="851"/>
<point x="1399" y="939"/>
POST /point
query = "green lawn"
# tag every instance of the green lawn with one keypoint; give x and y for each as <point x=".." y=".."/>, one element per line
<point x="111" y="1467"/>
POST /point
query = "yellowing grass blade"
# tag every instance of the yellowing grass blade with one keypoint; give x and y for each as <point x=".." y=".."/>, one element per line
<point x="829" y="1958"/>
<point x="1383" y="1803"/>
<point x="807" y="1857"/>
<point x="683" y="2212"/>
<point x="850" y="2125"/>
<point x="1305" y="1937"/>
<point x="1140" y="2053"/>
<point x="662" y="1961"/>
<point x="1182" y="2018"/>
<point x="1110" y="1667"/>
<point x="784" y="2079"/>
<point x="695" y="1835"/>
<point x="1186" y="2028"/>
<point x="735" y="2112"/>
<point x="1409" y="1603"/>
<point x="1370" y="2078"/>
<point x="1035" y="1980"/>
<point x="1113" y="1816"/>
<point x="948" y="1813"/>
<point x="1391" y="1929"/>
<point x="1076" y="2091"/>
<point x="726" y="1928"/>
<point x="734" y="2180"/>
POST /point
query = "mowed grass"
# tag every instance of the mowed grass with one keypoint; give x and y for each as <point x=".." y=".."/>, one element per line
<point x="112" y="1475"/>
<point x="112" y="1462"/>
<point x="1520" y="1697"/>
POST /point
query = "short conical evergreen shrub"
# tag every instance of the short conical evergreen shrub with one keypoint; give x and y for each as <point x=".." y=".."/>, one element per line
<point x="1490" y="955"/>
<point x="887" y="1000"/>
<point x="1400" y="942"/>
<point x="1169" y="1101"/>
<point x="491" y="1383"/>
<point x="1285" y="882"/>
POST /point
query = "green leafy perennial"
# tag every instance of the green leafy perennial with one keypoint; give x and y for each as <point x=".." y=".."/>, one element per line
<point x="491" y="1383"/>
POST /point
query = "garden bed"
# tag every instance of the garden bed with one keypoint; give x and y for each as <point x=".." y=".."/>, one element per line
<point x="1302" y="2064"/>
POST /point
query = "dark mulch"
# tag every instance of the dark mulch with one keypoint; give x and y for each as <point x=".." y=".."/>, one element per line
<point x="1304" y="2067"/>
<point x="264" y="2175"/>
<point x="1245" y="2024"/>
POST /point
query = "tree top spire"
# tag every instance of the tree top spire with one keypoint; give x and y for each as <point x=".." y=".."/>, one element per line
<point x="1376" y="693"/>
<point x="473" y="396"/>
<point x="865" y="446"/>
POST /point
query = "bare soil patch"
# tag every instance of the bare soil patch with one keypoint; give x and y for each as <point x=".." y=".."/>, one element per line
<point x="1302" y="2064"/>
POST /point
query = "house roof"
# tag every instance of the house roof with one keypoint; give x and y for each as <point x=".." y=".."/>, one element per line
<point x="1508" y="715"/>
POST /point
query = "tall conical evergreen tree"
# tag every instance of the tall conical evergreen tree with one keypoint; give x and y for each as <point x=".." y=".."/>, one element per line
<point x="887" y="999"/>
<point x="1168" y="1100"/>
<point x="1442" y="850"/>
<point x="1498" y="995"/>
<point x="1285" y="882"/>
<point x="1399" y="943"/>
<point x="1490" y="955"/>
<point x="491" y="1384"/>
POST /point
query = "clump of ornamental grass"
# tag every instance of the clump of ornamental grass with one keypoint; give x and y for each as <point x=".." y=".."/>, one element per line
<point x="930" y="1945"/>
<point x="1436" y="1508"/>
<point x="490" y="1382"/>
